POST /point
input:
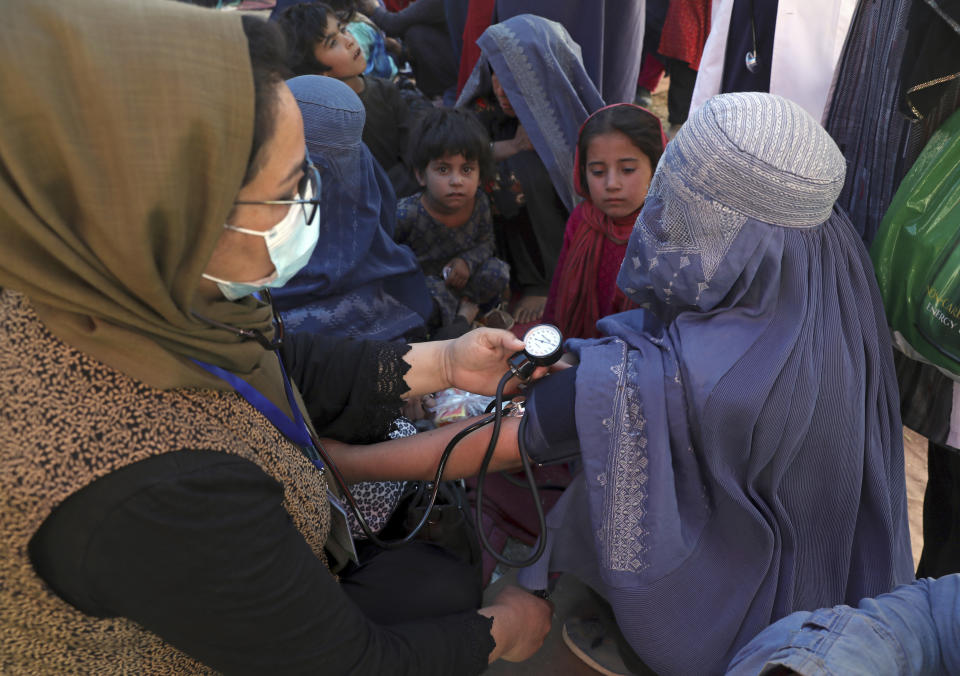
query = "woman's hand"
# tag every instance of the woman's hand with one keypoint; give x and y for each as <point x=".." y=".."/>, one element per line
<point x="521" y="621"/>
<point x="474" y="362"/>
<point x="477" y="360"/>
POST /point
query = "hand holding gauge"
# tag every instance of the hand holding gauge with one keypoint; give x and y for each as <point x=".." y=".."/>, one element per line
<point x="542" y="346"/>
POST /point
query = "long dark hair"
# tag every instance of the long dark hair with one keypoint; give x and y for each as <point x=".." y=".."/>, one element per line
<point x="640" y="126"/>
<point x="303" y="26"/>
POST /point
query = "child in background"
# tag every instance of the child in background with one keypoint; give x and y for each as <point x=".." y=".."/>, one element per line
<point x="375" y="44"/>
<point x="617" y="151"/>
<point x="319" y="43"/>
<point x="448" y="225"/>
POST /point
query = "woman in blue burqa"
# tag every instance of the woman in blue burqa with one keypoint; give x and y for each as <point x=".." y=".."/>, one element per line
<point x="360" y="283"/>
<point x="741" y="445"/>
<point x="530" y="91"/>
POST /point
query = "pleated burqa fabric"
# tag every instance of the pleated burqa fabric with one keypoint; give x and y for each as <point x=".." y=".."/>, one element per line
<point x="742" y="450"/>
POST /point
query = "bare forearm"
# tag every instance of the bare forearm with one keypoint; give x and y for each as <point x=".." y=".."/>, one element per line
<point x="416" y="457"/>
<point x="504" y="149"/>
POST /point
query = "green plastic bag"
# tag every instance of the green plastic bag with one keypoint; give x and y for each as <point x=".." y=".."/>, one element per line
<point x="917" y="255"/>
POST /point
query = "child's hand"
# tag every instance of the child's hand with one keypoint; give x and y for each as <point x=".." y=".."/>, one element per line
<point x="521" y="141"/>
<point x="456" y="273"/>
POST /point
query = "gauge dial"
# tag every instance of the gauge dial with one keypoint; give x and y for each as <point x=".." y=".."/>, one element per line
<point x="543" y="343"/>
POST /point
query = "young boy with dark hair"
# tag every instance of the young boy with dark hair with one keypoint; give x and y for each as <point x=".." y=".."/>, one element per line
<point x="448" y="225"/>
<point x="318" y="43"/>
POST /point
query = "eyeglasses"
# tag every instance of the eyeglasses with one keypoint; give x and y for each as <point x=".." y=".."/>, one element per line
<point x="310" y="181"/>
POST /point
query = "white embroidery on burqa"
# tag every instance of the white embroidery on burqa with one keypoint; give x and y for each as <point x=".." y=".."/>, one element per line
<point x="623" y="533"/>
<point x="690" y="224"/>
<point x="762" y="156"/>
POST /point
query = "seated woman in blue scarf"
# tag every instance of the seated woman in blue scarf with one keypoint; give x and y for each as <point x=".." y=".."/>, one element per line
<point x="359" y="283"/>
<point x="741" y="444"/>
<point x="530" y="91"/>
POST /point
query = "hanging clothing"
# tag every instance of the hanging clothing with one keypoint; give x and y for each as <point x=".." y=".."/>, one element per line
<point x="422" y="25"/>
<point x="584" y="286"/>
<point x="479" y="17"/>
<point x="866" y="115"/>
<point x="609" y="32"/>
<point x="539" y="67"/>
<point x="685" y="31"/>
<point x="808" y="39"/>
<point x="359" y="283"/>
<point x="742" y="451"/>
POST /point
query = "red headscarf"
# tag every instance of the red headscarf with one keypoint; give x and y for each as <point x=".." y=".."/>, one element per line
<point x="577" y="308"/>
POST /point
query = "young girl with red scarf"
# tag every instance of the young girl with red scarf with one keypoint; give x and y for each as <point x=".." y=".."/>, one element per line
<point x="617" y="151"/>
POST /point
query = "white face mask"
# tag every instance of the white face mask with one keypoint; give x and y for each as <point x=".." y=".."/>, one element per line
<point x="290" y="243"/>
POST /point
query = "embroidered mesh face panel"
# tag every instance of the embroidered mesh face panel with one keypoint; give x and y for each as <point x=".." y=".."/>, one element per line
<point x="741" y="158"/>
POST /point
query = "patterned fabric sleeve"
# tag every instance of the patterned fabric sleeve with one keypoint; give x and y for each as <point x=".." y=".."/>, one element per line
<point x="352" y="389"/>
<point x="406" y="218"/>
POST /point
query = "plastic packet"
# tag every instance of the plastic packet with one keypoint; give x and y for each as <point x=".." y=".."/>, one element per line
<point x="451" y="405"/>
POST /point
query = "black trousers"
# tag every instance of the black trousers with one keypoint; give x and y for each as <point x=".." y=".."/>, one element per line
<point x="682" y="80"/>
<point x="413" y="582"/>
<point x="941" y="513"/>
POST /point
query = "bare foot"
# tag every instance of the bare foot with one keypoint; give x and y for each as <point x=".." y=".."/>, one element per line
<point x="468" y="309"/>
<point x="529" y="309"/>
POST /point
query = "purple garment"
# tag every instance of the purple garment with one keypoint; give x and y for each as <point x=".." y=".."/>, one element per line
<point x="540" y="69"/>
<point x="610" y="33"/>
<point x="742" y="450"/>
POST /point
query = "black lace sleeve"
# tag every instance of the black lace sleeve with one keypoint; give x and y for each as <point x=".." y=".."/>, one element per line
<point x="353" y="389"/>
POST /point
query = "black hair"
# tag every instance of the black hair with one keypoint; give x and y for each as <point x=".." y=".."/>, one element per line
<point x="640" y="126"/>
<point x="304" y="25"/>
<point x="267" y="49"/>
<point x="450" y="131"/>
<point x="346" y="9"/>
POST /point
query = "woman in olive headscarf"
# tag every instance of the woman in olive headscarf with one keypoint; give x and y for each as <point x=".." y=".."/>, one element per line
<point x="164" y="509"/>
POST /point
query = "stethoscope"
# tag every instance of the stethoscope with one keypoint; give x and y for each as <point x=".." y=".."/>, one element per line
<point x="542" y="346"/>
<point x="750" y="60"/>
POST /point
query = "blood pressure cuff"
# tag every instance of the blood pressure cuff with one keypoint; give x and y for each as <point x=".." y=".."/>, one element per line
<point x="550" y="430"/>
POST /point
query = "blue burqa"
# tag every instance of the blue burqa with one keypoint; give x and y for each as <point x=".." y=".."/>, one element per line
<point x="742" y="449"/>
<point x="609" y="32"/>
<point x="540" y="69"/>
<point x="359" y="282"/>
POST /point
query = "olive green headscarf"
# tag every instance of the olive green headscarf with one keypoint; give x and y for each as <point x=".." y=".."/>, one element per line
<point x="125" y="128"/>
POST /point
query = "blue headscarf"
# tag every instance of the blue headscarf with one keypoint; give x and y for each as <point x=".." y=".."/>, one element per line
<point x="359" y="282"/>
<point x="609" y="32"/>
<point x="742" y="449"/>
<point x="540" y="69"/>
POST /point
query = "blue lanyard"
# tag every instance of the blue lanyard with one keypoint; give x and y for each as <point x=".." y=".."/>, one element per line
<point x="295" y="430"/>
